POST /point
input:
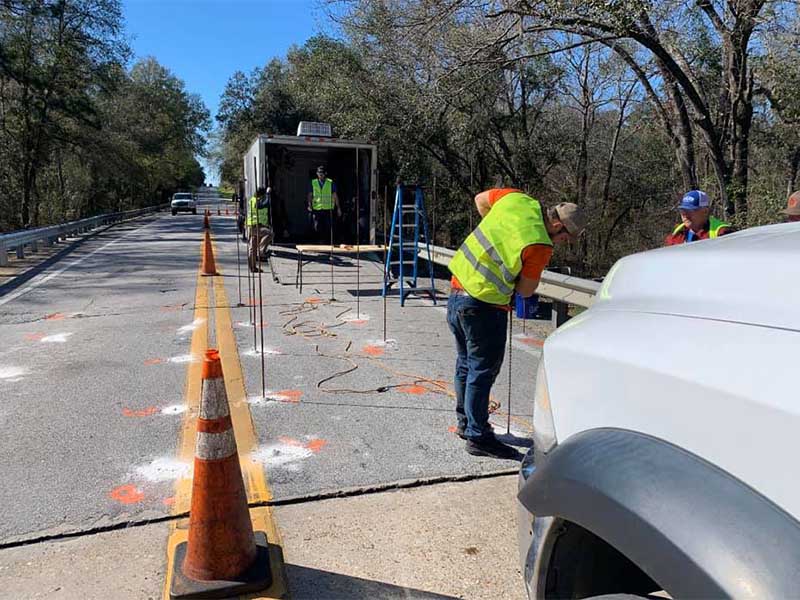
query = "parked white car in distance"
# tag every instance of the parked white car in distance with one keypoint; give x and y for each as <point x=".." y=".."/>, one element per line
<point x="183" y="202"/>
<point x="666" y="422"/>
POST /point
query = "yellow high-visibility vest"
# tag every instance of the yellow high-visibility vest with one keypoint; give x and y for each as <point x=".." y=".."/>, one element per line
<point x="490" y="259"/>
<point x="255" y="215"/>
<point x="714" y="227"/>
<point x="322" y="198"/>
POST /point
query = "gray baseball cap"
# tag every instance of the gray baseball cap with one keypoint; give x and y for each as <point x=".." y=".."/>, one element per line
<point x="572" y="216"/>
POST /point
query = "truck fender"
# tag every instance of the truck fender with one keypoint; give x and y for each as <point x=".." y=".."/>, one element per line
<point x="693" y="528"/>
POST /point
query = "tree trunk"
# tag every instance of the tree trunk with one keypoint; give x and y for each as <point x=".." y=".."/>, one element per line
<point x="742" y="120"/>
<point x="683" y="136"/>
<point x="582" y="183"/>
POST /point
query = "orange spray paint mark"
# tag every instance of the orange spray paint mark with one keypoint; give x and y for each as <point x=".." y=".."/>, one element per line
<point x="34" y="337"/>
<point x="531" y="341"/>
<point x="144" y="412"/>
<point x="316" y="445"/>
<point x="452" y="429"/>
<point x="313" y="300"/>
<point x="153" y="361"/>
<point x="357" y="321"/>
<point x="412" y="389"/>
<point x="55" y="317"/>
<point x="372" y="350"/>
<point x="168" y="501"/>
<point x="290" y="441"/>
<point x="292" y="396"/>
<point x="126" y="494"/>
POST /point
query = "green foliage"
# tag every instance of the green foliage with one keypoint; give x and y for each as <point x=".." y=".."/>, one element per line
<point x="616" y="105"/>
<point x="79" y="132"/>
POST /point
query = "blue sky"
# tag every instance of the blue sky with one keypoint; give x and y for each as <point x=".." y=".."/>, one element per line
<point x="204" y="41"/>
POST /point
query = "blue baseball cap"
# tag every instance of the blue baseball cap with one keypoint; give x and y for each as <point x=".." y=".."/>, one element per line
<point x="694" y="200"/>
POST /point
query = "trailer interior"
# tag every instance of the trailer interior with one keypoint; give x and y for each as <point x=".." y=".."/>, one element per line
<point x="291" y="169"/>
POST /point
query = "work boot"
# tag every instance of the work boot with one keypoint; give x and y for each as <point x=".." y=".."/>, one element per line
<point x="491" y="446"/>
<point x="460" y="432"/>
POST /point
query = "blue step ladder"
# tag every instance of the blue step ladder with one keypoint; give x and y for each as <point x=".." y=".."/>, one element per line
<point x="408" y="234"/>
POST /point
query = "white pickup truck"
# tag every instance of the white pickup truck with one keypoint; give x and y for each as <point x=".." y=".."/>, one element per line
<point x="667" y="430"/>
<point x="183" y="202"/>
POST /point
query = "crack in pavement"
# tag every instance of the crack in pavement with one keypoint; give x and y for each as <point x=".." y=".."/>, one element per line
<point x="303" y="499"/>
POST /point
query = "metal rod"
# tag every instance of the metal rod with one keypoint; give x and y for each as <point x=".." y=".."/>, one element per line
<point x="358" y="244"/>
<point x="255" y="251"/>
<point x="330" y="259"/>
<point x="260" y="304"/>
<point x="251" y="291"/>
<point x="510" y="346"/>
<point x="238" y="261"/>
<point x="385" y="250"/>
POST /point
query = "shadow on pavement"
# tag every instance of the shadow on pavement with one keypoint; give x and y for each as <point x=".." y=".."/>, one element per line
<point x="514" y="440"/>
<point x="67" y="248"/>
<point x="308" y="583"/>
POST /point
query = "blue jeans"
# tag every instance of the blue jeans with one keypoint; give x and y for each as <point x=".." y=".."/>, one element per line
<point x="480" y="332"/>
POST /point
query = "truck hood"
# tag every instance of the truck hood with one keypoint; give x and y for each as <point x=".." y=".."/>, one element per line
<point x="752" y="277"/>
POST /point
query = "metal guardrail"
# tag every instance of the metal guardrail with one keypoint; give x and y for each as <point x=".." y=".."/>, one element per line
<point x="562" y="289"/>
<point x="18" y="240"/>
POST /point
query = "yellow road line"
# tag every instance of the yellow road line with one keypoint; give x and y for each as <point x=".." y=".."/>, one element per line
<point x="186" y="439"/>
<point x="244" y="430"/>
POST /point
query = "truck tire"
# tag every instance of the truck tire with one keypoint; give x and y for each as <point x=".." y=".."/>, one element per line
<point x="174" y="212"/>
<point x="194" y="211"/>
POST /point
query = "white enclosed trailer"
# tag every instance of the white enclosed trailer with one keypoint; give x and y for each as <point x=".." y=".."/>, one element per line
<point x="287" y="164"/>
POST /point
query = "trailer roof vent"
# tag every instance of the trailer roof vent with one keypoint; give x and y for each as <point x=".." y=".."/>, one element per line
<point x="311" y="129"/>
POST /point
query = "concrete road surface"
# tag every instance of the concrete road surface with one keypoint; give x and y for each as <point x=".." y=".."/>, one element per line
<point x="96" y="378"/>
<point x="432" y="542"/>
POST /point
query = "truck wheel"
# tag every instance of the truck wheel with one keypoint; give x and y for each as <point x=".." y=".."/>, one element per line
<point x="174" y="212"/>
<point x="194" y="211"/>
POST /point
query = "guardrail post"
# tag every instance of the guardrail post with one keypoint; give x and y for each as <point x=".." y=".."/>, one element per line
<point x="21" y="251"/>
<point x="560" y="315"/>
<point x="3" y="254"/>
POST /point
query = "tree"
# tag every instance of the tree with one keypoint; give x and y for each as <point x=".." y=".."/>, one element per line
<point x="55" y="53"/>
<point x="81" y="133"/>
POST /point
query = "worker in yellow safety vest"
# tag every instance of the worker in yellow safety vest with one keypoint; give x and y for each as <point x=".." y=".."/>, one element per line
<point x="322" y="200"/>
<point x="696" y="221"/>
<point x="258" y="227"/>
<point x="505" y="254"/>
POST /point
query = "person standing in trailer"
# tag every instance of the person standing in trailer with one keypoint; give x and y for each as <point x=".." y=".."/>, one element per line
<point x="322" y="200"/>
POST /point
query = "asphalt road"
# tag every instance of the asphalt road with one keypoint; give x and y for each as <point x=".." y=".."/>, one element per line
<point x="91" y="377"/>
<point x="93" y="369"/>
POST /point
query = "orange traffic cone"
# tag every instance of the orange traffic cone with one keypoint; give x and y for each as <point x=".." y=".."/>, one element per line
<point x="226" y="212"/>
<point x="223" y="556"/>
<point x="219" y="212"/>
<point x="209" y="266"/>
<point x="205" y="222"/>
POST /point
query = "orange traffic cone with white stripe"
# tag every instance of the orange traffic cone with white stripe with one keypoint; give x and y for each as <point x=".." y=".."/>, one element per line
<point x="223" y="556"/>
<point x="209" y="265"/>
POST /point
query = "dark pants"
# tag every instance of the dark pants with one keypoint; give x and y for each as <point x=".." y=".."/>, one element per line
<point x="480" y="332"/>
<point x="321" y="222"/>
<point x="260" y="236"/>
